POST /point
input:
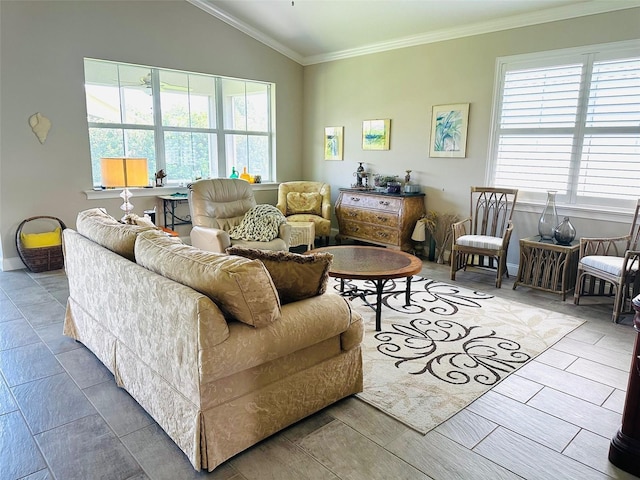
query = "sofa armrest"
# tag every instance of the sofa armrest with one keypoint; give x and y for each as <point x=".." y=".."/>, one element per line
<point x="284" y="232"/>
<point x="211" y="239"/>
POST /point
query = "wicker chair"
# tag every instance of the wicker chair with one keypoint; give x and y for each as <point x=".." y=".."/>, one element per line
<point x="610" y="264"/>
<point x="485" y="241"/>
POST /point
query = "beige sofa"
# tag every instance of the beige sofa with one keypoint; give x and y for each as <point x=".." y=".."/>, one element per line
<point x="202" y="341"/>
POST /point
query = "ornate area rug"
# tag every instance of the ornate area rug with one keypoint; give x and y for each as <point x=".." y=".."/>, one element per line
<point x="449" y="346"/>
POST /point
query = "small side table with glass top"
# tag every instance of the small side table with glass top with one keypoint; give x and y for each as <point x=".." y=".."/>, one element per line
<point x="548" y="266"/>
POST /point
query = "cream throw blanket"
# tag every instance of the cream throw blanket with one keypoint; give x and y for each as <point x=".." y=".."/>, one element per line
<point x="260" y="224"/>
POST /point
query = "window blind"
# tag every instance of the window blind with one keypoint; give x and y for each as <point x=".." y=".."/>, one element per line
<point x="569" y="126"/>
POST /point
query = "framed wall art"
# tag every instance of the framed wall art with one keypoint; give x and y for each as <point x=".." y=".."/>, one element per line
<point x="333" y="142"/>
<point x="449" y="130"/>
<point x="375" y="134"/>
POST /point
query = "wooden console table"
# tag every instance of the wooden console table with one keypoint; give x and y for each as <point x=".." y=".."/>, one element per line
<point x="547" y="266"/>
<point x="385" y="219"/>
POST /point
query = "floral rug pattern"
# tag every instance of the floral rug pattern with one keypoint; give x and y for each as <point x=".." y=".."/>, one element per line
<point x="444" y="349"/>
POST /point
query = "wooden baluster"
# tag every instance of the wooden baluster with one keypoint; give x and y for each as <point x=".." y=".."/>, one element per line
<point x="624" y="451"/>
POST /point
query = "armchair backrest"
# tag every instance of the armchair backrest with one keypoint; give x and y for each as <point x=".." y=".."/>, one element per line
<point x="324" y="189"/>
<point x="492" y="210"/>
<point x="219" y="202"/>
<point x="634" y="232"/>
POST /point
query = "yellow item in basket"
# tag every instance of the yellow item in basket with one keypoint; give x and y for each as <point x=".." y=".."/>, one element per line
<point x="37" y="240"/>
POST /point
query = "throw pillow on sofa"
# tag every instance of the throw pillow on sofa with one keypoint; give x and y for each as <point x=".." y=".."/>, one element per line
<point x="242" y="288"/>
<point x="295" y="276"/>
<point x="97" y="225"/>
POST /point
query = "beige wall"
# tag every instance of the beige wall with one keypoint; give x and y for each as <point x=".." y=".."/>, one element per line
<point x="42" y="46"/>
<point x="404" y="84"/>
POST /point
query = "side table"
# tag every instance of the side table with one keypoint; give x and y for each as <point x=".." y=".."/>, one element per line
<point x="169" y="203"/>
<point x="547" y="266"/>
<point x="302" y="233"/>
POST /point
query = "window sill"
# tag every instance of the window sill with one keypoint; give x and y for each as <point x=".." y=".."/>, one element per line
<point x="607" y="214"/>
<point x="157" y="191"/>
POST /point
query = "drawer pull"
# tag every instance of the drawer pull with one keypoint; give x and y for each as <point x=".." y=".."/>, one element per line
<point x="355" y="199"/>
<point x="384" y="202"/>
<point x="352" y="214"/>
<point x="382" y="219"/>
<point x="383" y="234"/>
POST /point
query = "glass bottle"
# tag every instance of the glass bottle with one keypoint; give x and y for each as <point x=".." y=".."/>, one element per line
<point x="549" y="218"/>
<point x="564" y="233"/>
<point x="245" y="175"/>
<point x="234" y="173"/>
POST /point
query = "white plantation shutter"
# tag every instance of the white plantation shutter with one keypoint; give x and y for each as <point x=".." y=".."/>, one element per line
<point x="610" y="160"/>
<point x="570" y="125"/>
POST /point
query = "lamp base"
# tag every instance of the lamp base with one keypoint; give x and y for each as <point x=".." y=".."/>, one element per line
<point x="126" y="207"/>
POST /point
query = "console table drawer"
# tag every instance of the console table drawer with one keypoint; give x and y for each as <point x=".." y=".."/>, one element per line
<point x="370" y="216"/>
<point x="380" y="218"/>
<point x="376" y="233"/>
<point x="370" y="201"/>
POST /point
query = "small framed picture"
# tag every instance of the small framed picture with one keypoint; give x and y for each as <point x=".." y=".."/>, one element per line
<point x="449" y="130"/>
<point x="375" y="134"/>
<point x="333" y="142"/>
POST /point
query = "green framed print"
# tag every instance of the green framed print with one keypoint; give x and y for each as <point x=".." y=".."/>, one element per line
<point x="449" y="130"/>
<point x="375" y="134"/>
<point x="333" y="142"/>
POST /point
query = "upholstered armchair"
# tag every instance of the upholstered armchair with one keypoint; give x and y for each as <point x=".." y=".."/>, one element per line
<point x="610" y="264"/>
<point x="220" y="204"/>
<point x="307" y="202"/>
<point x="482" y="240"/>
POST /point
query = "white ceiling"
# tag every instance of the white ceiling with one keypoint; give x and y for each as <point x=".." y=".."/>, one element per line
<point x="314" y="31"/>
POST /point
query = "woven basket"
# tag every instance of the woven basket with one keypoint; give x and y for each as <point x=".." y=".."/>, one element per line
<point x="41" y="259"/>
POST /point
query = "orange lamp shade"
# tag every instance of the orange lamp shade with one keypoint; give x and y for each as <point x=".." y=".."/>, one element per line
<point x="122" y="172"/>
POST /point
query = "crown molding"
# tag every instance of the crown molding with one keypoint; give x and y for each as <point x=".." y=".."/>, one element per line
<point x="592" y="7"/>
<point x="247" y="29"/>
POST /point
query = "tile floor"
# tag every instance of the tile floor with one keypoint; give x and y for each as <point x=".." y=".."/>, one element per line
<point x="62" y="417"/>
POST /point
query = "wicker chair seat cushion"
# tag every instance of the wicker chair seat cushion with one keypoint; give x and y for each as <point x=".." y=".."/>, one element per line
<point x="480" y="241"/>
<point x="608" y="264"/>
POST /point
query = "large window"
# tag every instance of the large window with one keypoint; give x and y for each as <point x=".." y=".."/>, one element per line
<point x="569" y="121"/>
<point x="190" y="125"/>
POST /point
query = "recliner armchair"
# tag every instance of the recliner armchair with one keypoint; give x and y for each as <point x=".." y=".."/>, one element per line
<point x="307" y="202"/>
<point x="216" y="206"/>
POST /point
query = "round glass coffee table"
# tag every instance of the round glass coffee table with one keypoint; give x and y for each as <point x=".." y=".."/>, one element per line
<point x="376" y="264"/>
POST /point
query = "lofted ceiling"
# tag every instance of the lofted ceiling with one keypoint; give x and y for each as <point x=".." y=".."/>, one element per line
<point x="315" y="31"/>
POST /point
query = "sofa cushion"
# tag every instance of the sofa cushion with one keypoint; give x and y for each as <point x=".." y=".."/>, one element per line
<point x="304" y="202"/>
<point x="295" y="276"/>
<point x="97" y="225"/>
<point x="242" y="288"/>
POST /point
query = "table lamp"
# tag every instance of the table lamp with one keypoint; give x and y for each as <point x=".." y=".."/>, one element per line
<point x="419" y="236"/>
<point x="124" y="172"/>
